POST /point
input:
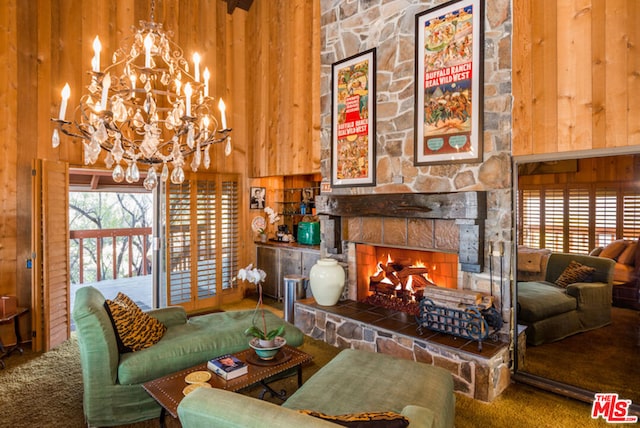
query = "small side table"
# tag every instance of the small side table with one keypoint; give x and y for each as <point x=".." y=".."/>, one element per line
<point x="6" y="351"/>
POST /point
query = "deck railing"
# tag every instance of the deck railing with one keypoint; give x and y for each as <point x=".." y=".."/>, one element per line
<point x="126" y="245"/>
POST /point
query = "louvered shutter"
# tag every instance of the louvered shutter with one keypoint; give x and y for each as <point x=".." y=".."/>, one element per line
<point x="554" y="219"/>
<point x="531" y="218"/>
<point x="230" y="234"/>
<point x="578" y="225"/>
<point x="179" y="243"/>
<point x="206" y="214"/>
<point x="202" y="239"/>
<point x="51" y="283"/>
<point x="631" y="219"/>
<point x="605" y="218"/>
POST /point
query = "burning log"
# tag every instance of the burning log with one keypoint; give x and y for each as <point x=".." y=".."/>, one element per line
<point x="383" y="288"/>
<point x="379" y="276"/>
<point x="410" y="270"/>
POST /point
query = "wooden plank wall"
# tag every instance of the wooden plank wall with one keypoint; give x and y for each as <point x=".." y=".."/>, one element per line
<point x="284" y="87"/>
<point x="576" y="75"/>
<point x="8" y="152"/>
<point x="610" y="169"/>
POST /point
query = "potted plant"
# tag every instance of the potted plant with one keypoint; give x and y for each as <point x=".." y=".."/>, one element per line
<point x="263" y="338"/>
<point x="263" y="235"/>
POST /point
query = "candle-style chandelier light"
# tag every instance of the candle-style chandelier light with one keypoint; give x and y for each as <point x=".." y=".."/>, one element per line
<point x="146" y="108"/>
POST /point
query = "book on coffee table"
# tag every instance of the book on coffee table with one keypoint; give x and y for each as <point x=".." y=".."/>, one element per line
<point x="227" y="367"/>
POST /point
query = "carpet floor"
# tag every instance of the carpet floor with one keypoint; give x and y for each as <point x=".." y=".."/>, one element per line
<point x="602" y="360"/>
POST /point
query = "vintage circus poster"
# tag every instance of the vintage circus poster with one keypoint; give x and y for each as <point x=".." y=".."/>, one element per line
<point x="353" y="121"/>
<point x="449" y="83"/>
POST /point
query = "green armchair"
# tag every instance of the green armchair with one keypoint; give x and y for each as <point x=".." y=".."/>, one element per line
<point x="551" y="312"/>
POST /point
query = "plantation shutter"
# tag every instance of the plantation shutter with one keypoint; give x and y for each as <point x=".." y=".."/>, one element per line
<point x="579" y="215"/>
<point x="577" y="219"/>
<point x="206" y="244"/>
<point x="531" y="216"/>
<point x="606" y="212"/>
<point x="230" y="233"/>
<point x="202" y="239"/>
<point x="179" y="243"/>
<point x="50" y="242"/>
<point x="554" y="220"/>
<point x="631" y="217"/>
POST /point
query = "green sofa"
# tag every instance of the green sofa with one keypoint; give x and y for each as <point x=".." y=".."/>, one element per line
<point x="113" y="394"/>
<point x="354" y="381"/>
<point x="552" y="313"/>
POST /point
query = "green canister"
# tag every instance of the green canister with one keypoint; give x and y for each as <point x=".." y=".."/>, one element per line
<point x="309" y="232"/>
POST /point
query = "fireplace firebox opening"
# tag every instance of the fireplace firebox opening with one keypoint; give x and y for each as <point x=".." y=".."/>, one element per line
<point x="395" y="278"/>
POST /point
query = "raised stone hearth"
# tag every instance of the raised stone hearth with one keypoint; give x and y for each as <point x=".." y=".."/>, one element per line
<point x="482" y="375"/>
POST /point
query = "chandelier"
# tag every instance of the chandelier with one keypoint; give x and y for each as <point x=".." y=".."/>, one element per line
<point x="146" y="108"/>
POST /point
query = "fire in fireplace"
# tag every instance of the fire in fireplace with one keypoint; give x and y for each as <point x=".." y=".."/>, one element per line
<point x="396" y="278"/>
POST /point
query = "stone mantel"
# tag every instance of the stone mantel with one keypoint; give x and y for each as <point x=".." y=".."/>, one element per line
<point x="467" y="209"/>
<point x="454" y="205"/>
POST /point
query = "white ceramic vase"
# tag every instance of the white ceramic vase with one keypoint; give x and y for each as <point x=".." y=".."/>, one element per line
<point x="326" y="280"/>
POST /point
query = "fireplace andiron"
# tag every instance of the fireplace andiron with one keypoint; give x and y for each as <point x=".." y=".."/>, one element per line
<point x="469" y="322"/>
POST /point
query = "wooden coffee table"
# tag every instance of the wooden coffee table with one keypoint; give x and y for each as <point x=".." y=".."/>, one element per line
<point x="167" y="390"/>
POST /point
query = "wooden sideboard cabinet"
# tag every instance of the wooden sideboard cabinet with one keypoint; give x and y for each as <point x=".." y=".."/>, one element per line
<point x="279" y="260"/>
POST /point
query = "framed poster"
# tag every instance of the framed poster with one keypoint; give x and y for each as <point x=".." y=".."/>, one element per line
<point x="449" y="83"/>
<point x="257" y="197"/>
<point x="353" y="121"/>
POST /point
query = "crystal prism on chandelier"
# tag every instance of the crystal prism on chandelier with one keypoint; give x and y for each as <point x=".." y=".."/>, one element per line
<point x="146" y="108"/>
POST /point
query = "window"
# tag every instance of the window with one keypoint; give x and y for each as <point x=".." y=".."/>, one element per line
<point x="202" y="238"/>
<point x="554" y="216"/>
<point x="578" y="224"/>
<point x="631" y="220"/>
<point x="578" y="218"/>
<point x="531" y="215"/>
<point x="606" y="216"/>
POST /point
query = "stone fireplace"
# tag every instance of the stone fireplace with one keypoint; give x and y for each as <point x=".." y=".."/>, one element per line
<point x="445" y="233"/>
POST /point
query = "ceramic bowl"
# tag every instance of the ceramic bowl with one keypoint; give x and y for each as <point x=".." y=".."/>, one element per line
<point x="267" y="353"/>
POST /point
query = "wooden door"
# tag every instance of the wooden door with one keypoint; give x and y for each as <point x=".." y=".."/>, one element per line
<point x="51" y="288"/>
